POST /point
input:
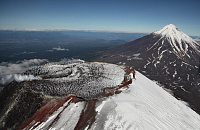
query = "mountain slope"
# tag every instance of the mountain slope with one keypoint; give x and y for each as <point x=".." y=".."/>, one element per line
<point x="126" y="100"/>
<point x="180" y="43"/>
<point x="142" y="105"/>
<point x="145" y="105"/>
<point x="82" y="80"/>
<point x="168" y="56"/>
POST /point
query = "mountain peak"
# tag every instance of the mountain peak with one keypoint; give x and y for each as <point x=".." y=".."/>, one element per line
<point x="168" y="30"/>
<point x="177" y="39"/>
<point x="171" y="26"/>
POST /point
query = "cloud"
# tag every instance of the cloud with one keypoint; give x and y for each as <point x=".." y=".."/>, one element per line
<point x="17" y="77"/>
<point x="22" y="53"/>
<point x="57" y="49"/>
<point x="60" y="49"/>
<point x="10" y="71"/>
<point x="197" y="40"/>
<point x="7" y="68"/>
<point x="64" y="59"/>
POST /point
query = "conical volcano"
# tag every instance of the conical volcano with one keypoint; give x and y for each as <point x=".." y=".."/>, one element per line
<point x="168" y="56"/>
<point x="181" y="43"/>
<point x="168" y="38"/>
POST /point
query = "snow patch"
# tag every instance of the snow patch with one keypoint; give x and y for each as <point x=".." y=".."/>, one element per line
<point x="148" y="62"/>
<point x="186" y="64"/>
<point x="184" y="89"/>
<point x="167" y="70"/>
<point x="161" y="54"/>
<point x="188" y="77"/>
<point x="136" y="55"/>
<point x="155" y="65"/>
<point x="175" y="73"/>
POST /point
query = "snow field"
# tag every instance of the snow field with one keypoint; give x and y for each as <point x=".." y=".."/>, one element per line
<point x="68" y="117"/>
<point x="145" y="106"/>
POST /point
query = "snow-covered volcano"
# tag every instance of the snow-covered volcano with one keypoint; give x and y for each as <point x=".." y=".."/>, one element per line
<point x="64" y="97"/>
<point x="179" y="41"/>
<point x="168" y="56"/>
<point x="56" y="82"/>
<point x="143" y="105"/>
<point x="169" y="38"/>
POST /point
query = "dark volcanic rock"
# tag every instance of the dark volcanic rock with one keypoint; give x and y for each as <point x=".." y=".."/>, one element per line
<point x="18" y="104"/>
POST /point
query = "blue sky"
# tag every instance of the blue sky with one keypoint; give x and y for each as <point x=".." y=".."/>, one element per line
<point x="113" y="15"/>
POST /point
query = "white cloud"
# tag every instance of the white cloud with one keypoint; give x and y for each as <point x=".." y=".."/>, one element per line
<point x="49" y="50"/>
<point x="7" y="68"/>
<point x="10" y="71"/>
<point x="22" y="53"/>
<point x="17" y="77"/>
<point x="60" y="49"/>
<point x="57" y="49"/>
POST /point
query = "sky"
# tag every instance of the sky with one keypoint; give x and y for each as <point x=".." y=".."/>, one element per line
<point x="144" y="16"/>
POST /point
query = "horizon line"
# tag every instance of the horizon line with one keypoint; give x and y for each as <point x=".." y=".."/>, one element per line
<point x="85" y="30"/>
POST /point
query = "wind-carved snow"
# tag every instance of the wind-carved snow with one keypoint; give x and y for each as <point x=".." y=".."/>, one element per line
<point x="178" y="40"/>
<point x="145" y="105"/>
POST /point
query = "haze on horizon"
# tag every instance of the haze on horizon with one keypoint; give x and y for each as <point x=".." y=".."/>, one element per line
<point x="114" y="15"/>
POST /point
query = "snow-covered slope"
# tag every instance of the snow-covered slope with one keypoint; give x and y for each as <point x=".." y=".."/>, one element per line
<point x="142" y="106"/>
<point x="66" y="117"/>
<point x="145" y="106"/>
